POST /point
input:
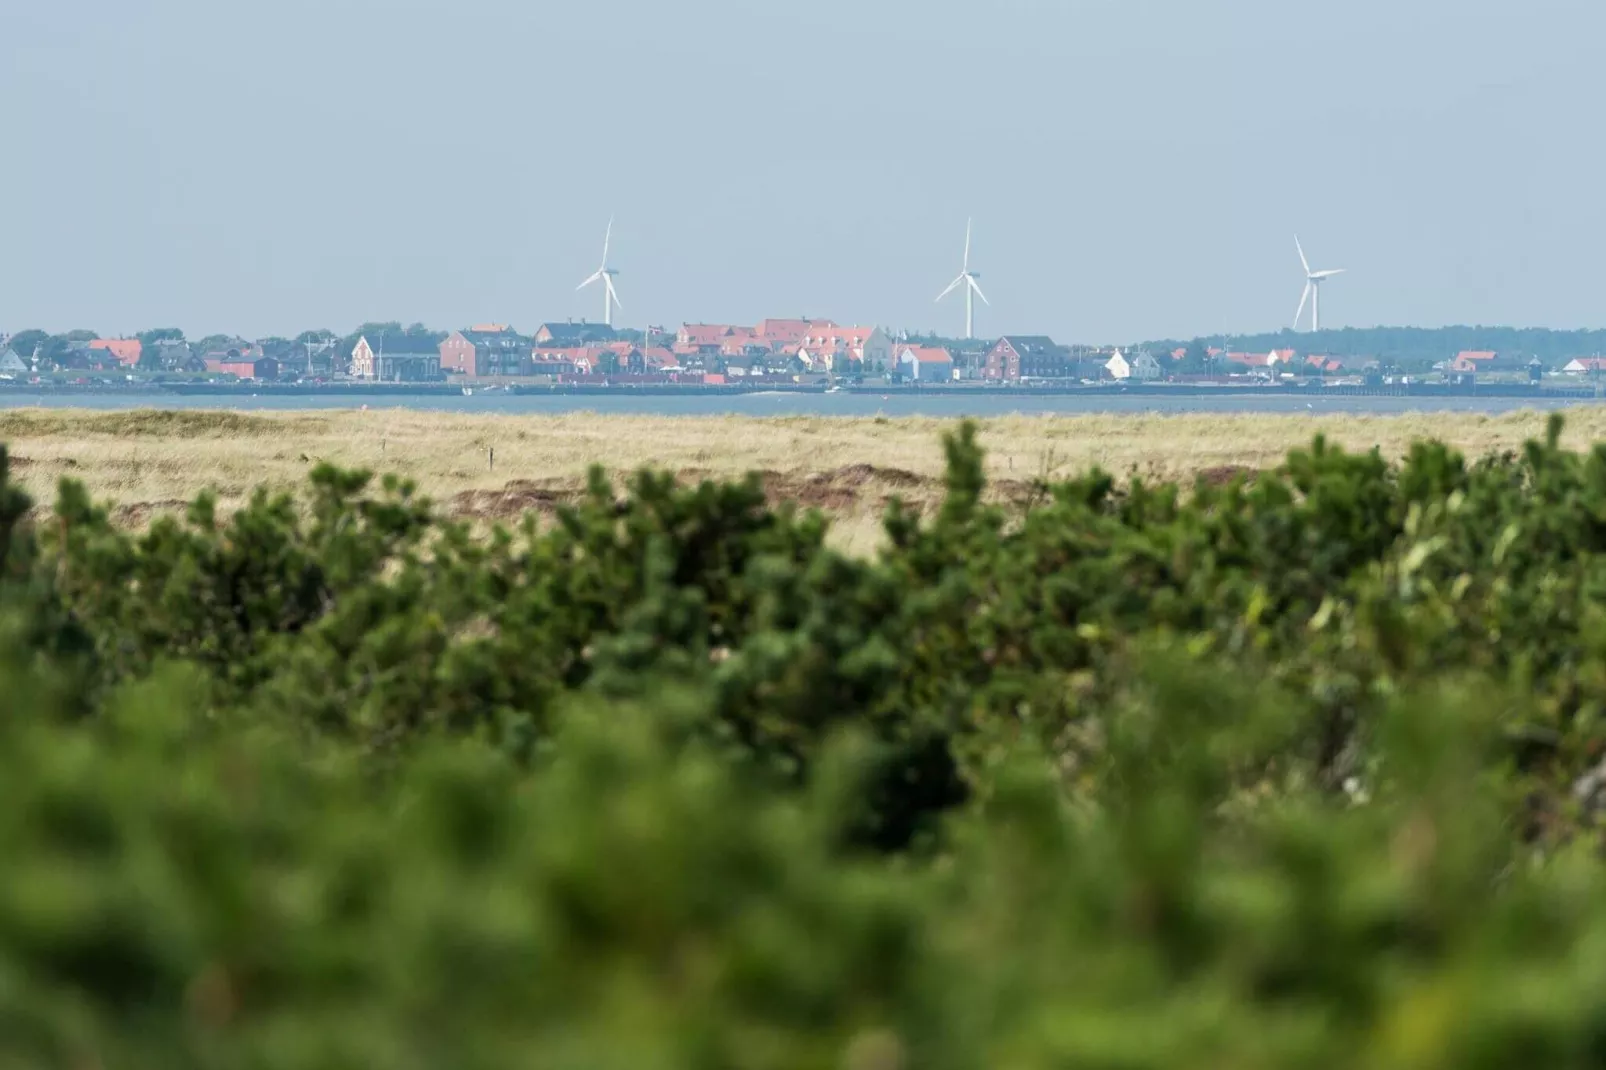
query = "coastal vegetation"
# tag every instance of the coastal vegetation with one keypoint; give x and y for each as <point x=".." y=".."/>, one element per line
<point x="1299" y="765"/>
<point x="494" y="467"/>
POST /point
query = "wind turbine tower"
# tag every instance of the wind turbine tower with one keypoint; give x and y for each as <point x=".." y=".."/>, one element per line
<point x="967" y="278"/>
<point x="610" y="296"/>
<point x="1313" y="290"/>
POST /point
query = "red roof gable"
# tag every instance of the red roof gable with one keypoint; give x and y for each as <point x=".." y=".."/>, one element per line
<point x="1476" y="354"/>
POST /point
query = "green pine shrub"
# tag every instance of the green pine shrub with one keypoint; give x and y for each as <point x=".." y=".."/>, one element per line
<point x="1303" y="770"/>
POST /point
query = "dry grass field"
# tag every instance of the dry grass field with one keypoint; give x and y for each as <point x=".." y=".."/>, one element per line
<point x="149" y="461"/>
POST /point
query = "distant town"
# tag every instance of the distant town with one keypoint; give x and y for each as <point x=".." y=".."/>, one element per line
<point x="801" y="352"/>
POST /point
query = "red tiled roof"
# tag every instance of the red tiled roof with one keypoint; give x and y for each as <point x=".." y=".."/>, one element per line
<point x="929" y="354"/>
<point x="737" y="344"/>
<point x="773" y="331"/>
<point x="1262" y="360"/>
<point x="126" y="350"/>
<point x="1476" y="354"/>
<point x="826" y="333"/>
<point x="705" y="334"/>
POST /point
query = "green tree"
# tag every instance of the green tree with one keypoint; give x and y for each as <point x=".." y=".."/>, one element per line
<point x="1196" y="360"/>
<point x="25" y="342"/>
<point x="159" y="335"/>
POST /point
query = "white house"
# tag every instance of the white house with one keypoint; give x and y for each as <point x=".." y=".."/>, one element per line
<point x="1118" y="367"/>
<point x="926" y="364"/>
<point x="828" y="347"/>
<point x="1146" y="367"/>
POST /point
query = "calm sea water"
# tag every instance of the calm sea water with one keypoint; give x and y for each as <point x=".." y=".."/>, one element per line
<point x="801" y="404"/>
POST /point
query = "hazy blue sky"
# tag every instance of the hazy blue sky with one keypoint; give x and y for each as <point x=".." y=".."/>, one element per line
<point x="1137" y="168"/>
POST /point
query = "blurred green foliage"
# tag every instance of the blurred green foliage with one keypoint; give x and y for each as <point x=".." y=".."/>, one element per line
<point x="1302" y="771"/>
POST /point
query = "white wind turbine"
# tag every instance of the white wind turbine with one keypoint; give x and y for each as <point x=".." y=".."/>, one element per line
<point x="967" y="278"/>
<point x="1313" y="290"/>
<point x="610" y="296"/>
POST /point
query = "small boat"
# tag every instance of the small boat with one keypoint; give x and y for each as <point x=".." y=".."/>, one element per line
<point x="468" y="391"/>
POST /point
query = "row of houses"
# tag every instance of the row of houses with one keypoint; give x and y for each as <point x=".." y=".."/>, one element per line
<point x="113" y="355"/>
<point x="779" y="348"/>
<point x="812" y="347"/>
<point x="773" y="348"/>
<point x="1467" y="363"/>
<point x="497" y="351"/>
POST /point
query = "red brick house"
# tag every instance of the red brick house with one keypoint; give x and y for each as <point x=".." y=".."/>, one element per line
<point x="244" y="367"/>
<point x="1028" y="356"/>
<point x="489" y="349"/>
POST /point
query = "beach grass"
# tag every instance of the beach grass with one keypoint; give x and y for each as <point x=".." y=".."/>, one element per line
<point x="148" y="461"/>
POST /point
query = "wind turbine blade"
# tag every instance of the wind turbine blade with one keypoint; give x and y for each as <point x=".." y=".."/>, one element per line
<point x="607" y="239"/>
<point x="952" y="286"/>
<point x="967" y="244"/>
<point x="1327" y="274"/>
<point x="1304" y="298"/>
<point x="613" y="293"/>
<point x="593" y="278"/>
<point x="974" y="285"/>
<point x="1302" y="260"/>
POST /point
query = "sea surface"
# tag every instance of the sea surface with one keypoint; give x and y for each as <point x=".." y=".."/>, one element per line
<point x="793" y="404"/>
